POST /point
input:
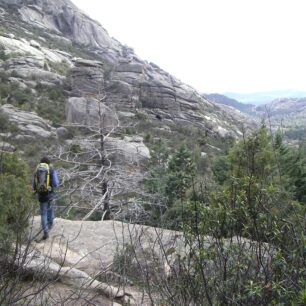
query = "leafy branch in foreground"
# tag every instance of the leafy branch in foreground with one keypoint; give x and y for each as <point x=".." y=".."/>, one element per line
<point x="244" y="241"/>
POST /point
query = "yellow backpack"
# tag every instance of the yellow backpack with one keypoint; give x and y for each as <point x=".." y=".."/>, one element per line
<point x="42" y="178"/>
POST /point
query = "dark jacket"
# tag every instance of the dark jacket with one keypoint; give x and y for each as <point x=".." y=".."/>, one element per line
<point x="47" y="196"/>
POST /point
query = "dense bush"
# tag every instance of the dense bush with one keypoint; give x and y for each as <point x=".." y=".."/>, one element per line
<point x="171" y="176"/>
<point x="244" y="239"/>
<point x="15" y="210"/>
<point x="15" y="202"/>
<point x="255" y="203"/>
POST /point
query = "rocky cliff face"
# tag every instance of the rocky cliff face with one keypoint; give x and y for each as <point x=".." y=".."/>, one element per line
<point x="63" y="76"/>
<point x="131" y="84"/>
<point x="59" y="67"/>
<point x="63" y="18"/>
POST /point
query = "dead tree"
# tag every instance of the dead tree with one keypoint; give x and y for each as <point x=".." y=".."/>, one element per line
<point x="90" y="175"/>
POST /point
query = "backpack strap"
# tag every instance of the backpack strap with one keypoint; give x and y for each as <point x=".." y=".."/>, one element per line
<point x="51" y="176"/>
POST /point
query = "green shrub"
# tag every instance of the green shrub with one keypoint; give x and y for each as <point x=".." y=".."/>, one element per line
<point x="60" y="68"/>
<point x="130" y="131"/>
<point x="75" y="148"/>
<point x="51" y="103"/>
<point x="15" y="202"/>
<point x="3" y="55"/>
<point x="124" y="261"/>
<point x="147" y="137"/>
<point x="244" y="240"/>
<point x="4" y="122"/>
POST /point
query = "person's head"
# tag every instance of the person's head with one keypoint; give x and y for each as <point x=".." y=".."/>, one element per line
<point x="45" y="160"/>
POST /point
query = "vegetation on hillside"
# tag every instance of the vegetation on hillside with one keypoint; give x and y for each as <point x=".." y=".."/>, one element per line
<point x="242" y="213"/>
<point x="245" y="234"/>
<point x="15" y="212"/>
<point x="14" y="200"/>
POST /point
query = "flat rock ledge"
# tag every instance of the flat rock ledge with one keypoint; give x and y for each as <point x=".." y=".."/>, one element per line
<point x="82" y="255"/>
<point x="77" y="253"/>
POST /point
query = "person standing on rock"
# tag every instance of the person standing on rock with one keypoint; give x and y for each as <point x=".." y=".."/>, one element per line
<point x="44" y="183"/>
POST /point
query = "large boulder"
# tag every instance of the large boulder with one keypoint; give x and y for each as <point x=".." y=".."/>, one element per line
<point x="90" y="112"/>
<point x="32" y="68"/>
<point x="87" y="78"/>
<point x="89" y="252"/>
<point x="82" y="254"/>
<point x="29" y="124"/>
<point x="128" y="151"/>
<point x="32" y="48"/>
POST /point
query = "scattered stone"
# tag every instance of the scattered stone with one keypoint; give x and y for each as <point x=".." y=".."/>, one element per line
<point x="6" y="147"/>
<point x="35" y="44"/>
<point x="62" y="133"/>
<point x="128" y="151"/>
<point x="19" y="82"/>
<point x="29" y="124"/>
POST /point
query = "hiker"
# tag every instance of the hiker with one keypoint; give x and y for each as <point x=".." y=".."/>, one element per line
<point x="44" y="183"/>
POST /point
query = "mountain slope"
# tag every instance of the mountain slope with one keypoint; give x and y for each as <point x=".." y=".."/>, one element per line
<point x="64" y="95"/>
<point x="131" y="83"/>
<point x="222" y="99"/>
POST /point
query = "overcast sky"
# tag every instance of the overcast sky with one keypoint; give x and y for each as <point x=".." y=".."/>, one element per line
<point x="213" y="45"/>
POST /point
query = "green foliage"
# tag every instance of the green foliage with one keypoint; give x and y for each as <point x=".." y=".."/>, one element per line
<point x="15" y="202"/>
<point x="268" y="161"/>
<point x="130" y="131"/>
<point x="60" y="68"/>
<point x="141" y="116"/>
<point x="252" y="203"/>
<point x="253" y="156"/>
<point x="12" y="93"/>
<point x="4" y="122"/>
<point x="181" y="172"/>
<point x="221" y="169"/>
<point x="147" y="138"/>
<point x="292" y="168"/>
<point x="3" y="55"/>
<point x="171" y="176"/>
<point x="124" y="259"/>
<point x="51" y="104"/>
<point x="75" y="148"/>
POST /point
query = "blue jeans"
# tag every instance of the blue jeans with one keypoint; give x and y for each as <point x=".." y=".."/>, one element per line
<point x="47" y="215"/>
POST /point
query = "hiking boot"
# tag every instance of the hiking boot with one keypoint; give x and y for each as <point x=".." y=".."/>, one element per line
<point x="45" y="236"/>
<point x="50" y="226"/>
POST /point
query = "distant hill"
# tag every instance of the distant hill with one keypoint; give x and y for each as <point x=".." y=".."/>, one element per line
<point x="289" y="114"/>
<point x="284" y="106"/>
<point x="285" y="113"/>
<point x="258" y="98"/>
<point x="222" y="99"/>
